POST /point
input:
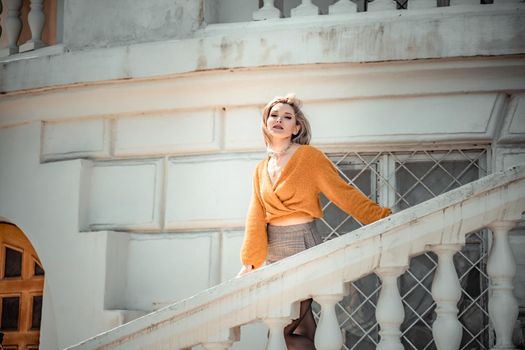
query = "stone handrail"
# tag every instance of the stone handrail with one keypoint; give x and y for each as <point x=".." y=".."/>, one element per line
<point x="272" y="294"/>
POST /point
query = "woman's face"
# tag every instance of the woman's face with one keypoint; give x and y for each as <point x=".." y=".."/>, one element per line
<point x="281" y="122"/>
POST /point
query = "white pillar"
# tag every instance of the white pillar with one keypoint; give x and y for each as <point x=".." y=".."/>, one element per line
<point x="342" y="6"/>
<point x="13" y="27"/>
<point x="501" y="267"/>
<point x="268" y="11"/>
<point x="389" y="311"/>
<point x="36" y="21"/>
<point x="446" y="291"/>
<point x="328" y="335"/>
<point x="276" y="338"/>
<point x="305" y="9"/>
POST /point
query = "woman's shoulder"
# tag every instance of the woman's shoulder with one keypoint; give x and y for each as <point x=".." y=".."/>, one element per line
<point x="259" y="167"/>
<point x="311" y="151"/>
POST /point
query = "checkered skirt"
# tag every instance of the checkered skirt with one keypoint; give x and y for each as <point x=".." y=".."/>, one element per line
<point x="284" y="241"/>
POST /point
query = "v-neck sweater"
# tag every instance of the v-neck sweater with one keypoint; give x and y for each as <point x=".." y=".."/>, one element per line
<point x="295" y="193"/>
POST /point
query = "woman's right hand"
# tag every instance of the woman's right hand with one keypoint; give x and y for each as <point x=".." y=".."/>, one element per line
<point x="244" y="270"/>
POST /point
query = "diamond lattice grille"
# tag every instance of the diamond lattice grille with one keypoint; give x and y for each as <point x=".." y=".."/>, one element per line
<point x="400" y="180"/>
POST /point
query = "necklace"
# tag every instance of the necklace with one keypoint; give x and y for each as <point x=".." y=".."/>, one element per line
<point x="279" y="153"/>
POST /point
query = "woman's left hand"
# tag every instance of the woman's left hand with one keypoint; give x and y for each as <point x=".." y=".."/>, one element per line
<point x="244" y="270"/>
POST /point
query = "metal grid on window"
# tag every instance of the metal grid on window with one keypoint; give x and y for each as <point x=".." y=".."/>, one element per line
<point x="400" y="180"/>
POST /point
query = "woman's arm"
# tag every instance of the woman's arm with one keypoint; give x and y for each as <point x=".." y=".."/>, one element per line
<point x="255" y="245"/>
<point x="346" y="196"/>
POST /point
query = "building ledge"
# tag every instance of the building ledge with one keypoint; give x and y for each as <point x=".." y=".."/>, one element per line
<point x="459" y="31"/>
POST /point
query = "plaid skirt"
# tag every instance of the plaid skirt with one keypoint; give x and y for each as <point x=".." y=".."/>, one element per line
<point x="284" y="241"/>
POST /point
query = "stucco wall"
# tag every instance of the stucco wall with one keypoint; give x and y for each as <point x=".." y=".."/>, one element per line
<point x="100" y="23"/>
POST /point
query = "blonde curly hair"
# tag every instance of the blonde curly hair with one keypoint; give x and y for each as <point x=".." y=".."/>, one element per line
<point x="304" y="135"/>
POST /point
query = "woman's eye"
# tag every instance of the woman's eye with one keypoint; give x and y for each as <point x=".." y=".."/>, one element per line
<point x="288" y="117"/>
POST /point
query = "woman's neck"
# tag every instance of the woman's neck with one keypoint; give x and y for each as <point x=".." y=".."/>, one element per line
<point x="280" y="145"/>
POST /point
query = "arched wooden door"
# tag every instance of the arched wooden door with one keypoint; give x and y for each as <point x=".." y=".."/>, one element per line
<point x="21" y="290"/>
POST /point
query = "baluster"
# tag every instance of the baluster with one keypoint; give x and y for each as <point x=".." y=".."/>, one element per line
<point x="381" y="5"/>
<point x="342" y="6"/>
<point x="13" y="27"/>
<point x="36" y="21"/>
<point x="305" y="9"/>
<point x="276" y="338"/>
<point x="266" y="12"/>
<point x="328" y="335"/>
<point x="389" y="311"/>
<point x="501" y="267"/>
<point x="446" y="291"/>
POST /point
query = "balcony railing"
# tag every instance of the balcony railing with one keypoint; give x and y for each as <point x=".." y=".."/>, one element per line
<point x="212" y="318"/>
<point x="27" y="25"/>
<point x="227" y="11"/>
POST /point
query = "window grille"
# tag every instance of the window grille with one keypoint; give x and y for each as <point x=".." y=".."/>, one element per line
<point x="401" y="179"/>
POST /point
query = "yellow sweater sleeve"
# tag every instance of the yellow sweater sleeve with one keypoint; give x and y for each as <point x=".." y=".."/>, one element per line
<point x="255" y="245"/>
<point x="345" y="196"/>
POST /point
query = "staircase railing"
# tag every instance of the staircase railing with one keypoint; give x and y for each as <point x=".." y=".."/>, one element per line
<point x="272" y="294"/>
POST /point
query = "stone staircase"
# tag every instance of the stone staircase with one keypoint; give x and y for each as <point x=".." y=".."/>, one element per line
<point x="212" y="318"/>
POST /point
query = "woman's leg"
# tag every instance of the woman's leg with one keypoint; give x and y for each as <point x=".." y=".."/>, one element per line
<point x="307" y="326"/>
<point x="299" y="334"/>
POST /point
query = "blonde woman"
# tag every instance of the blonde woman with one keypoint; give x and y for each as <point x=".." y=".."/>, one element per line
<point x="285" y="201"/>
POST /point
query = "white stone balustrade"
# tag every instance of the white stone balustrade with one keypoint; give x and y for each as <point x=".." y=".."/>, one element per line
<point x="389" y="310"/>
<point x="307" y="8"/>
<point x="446" y="291"/>
<point x="268" y="293"/>
<point x="342" y="6"/>
<point x="268" y="11"/>
<point x="13" y="27"/>
<point x="276" y="332"/>
<point x="223" y="340"/>
<point x="328" y="335"/>
<point x="501" y="267"/>
<point x="36" y="20"/>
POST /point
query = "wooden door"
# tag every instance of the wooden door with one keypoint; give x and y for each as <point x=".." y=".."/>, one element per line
<point x="21" y="290"/>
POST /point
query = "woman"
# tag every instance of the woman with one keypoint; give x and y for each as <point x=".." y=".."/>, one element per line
<point x="285" y="201"/>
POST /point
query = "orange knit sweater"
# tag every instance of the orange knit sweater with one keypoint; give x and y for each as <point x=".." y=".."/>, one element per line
<point x="296" y="194"/>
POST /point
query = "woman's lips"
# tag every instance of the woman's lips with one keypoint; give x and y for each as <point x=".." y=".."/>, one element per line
<point x="278" y="127"/>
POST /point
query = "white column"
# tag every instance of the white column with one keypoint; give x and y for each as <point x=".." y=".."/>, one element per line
<point x="501" y="267"/>
<point x="328" y="335"/>
<point x="342" y="6"/>
<point x="36" y="21"/>
<point x="268" y="11"/>
<point x="305" y="9"/>
<point x="446" y="291"/>
<point x="389" y="311"/>
<point x="13" y="27"/>
<point x="276" y="338"/>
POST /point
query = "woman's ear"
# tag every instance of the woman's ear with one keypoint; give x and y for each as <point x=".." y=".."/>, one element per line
<point x="297" y="129"/>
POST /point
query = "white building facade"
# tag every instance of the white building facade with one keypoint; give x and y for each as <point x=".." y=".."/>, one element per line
<point x="128" y="144"/>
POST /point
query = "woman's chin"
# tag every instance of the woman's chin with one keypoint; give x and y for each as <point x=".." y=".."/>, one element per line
<point x="279" y="135"/>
